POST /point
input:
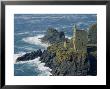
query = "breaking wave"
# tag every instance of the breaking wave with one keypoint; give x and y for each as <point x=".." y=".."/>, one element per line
<point x="69" y="37"/>
<point x="18" y="55"/>
<point x="31" y="68"/>
<point x="36" y="41"/>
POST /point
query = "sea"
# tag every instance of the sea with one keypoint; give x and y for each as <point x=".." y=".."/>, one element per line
<point x="28" y="28"/>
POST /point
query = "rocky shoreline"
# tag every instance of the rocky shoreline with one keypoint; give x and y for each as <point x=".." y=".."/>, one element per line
<point x="71" y="67"/>
<point x="30" y="56"/>
<point x="63" y="61"/>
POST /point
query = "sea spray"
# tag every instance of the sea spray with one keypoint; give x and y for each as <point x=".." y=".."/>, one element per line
<point x="35" y="40"/>
<point x="18" y="55"/>
<point x="31" y="68"/>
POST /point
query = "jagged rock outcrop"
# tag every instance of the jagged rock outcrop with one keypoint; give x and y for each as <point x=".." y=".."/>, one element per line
<point x="93" y="65"/>
<point x="71" y="67"/>
<point x="30" y="56"/>
<point x="53" y="36"/>
<point x="65" y="61"/>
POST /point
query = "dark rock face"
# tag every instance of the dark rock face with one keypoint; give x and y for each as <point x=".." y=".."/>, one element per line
<point x="81" y="65"/>
<point x="53" y="36"/>
<point x="30" y="56"/>
<point x="93" y="65"/>
<point x="71" y="67"/>
<point x="48" y="58"/>
<point x="92" y="34"/>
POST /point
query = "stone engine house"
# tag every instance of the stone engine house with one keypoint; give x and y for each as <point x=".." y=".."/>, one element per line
<point x="79" y="39"/>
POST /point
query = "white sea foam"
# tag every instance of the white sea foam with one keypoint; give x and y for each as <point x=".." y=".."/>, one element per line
<point x="68" y="37"/>
<point x="36" y="41"/>
<point x="38" y="31"/>
<point x="18" y="55"/>
<point x="22" y="33"/>
<point x="45" y="71"/>
<point x="82" y="23"/>
<point x="25" y="33"/>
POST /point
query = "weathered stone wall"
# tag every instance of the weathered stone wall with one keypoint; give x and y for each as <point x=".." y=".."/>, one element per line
<point x="92" y="34"/>
<point x="81" y="40"/>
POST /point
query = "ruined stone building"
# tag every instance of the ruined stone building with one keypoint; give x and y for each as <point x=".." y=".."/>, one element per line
<point x="79" y="39"/>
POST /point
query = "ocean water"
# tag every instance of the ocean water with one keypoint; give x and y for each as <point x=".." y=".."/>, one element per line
<point x="28" y="28"/>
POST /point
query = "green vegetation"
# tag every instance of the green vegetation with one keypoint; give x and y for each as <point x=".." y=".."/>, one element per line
<point x="63" y="53"/>
<point x="65" y="50"/>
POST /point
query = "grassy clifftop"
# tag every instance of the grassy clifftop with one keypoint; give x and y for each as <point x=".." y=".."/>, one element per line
<point x="67" y="53"/>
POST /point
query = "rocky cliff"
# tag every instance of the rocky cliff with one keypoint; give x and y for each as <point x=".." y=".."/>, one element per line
<point x="73" y="66"/>
<point x="64" y="61"/>
<point x="30" y="56"/>
<point x="92" y="34"/>
<point x="52" y="36"/>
